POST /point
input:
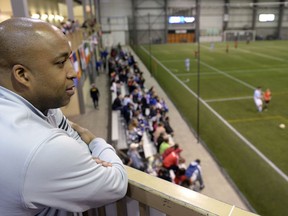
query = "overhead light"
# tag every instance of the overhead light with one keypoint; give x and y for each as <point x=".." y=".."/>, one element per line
<point x="35" y="16"/>
<point x="44" y="16"/>
<point x="266" y="17"/>
<point x="59" y="18"/>
<point x="51" y="17"/>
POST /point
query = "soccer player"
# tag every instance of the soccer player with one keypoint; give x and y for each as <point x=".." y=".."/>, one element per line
<point x="258" y="98"/>
<point x="187" y="64"/>
<point x="267" y="97"/>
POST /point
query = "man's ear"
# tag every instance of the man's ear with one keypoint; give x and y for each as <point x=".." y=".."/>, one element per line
<point x="21" y="74"/>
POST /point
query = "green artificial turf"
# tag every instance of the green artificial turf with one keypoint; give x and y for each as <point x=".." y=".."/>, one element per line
<point x="227" y="82"/>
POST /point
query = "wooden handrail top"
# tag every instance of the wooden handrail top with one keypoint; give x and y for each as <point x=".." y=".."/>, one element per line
<point x="173" y="199"/>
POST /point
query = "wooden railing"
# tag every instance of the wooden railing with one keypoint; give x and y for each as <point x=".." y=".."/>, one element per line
<point x="151" y="196"/>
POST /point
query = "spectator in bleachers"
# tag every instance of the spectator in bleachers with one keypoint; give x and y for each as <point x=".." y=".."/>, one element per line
<point x="194" y="173"/>
<point x="142" y="121"/>
<point x="164" y="145"/>
<point x="167" y="126"/>
<point x="136" y="95"/>
<point x="113" y="77"/>
<point x="135" y="160"/>
<point x="180" y="176"/>
<point x="145" y="105"/>
<point x="123" y="76"/>
<point x="163" y="173"/>
<point x="141" y="81"/>
<point x="127" y="112"/>
<point x="135" y="132"/>
<point x="136" y="68"/>
<point x="173" y="160"/>
<point x="131" y="60"/>
<point x="127" y="99"/>
<point x="158" y="130"/>
<point x="117" y="103"/>
<point x="169" y="150"/>
<point x="160" y="140"/>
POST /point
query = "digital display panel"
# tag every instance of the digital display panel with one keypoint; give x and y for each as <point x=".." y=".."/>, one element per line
<point x="181" y="19"/>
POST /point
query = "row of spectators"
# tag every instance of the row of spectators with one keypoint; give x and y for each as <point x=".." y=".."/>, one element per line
<point x="69" y="26"/>
<point x="146" y="113"/>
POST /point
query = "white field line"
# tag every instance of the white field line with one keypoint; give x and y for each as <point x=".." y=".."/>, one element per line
<point x="248" y="143"/>
<point x="228" y="99"/>
<point x="230" y="72"/>
<point x="253" y="53"/>
<point x="229" y="76"/>
<point x="262" y="55"/>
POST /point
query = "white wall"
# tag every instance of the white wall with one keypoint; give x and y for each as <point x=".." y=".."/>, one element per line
<point x="211" y="17"/>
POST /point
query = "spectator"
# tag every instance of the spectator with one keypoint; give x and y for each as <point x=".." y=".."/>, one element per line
<point x="180" y="176"/>
<point x="135" y="160"/>
<point x="134" y="131"/>
<point x="95" y="94"/>
<point x="164" y="145"/>
<point x="117" y="103"/>
<point x="52" y="163"/>
<point x="163" y="173"/>
<point x="173" y="160"/>
<point x="194" y="173"/>
<point x="169" y="150"/>
<point x="167" y="126"/>
<point x="160" y="140"/>
<point x="127" y="112"/>
<point x="158" y="130"/>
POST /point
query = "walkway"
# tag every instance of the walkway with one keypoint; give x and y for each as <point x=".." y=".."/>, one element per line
<point x="216" y="184"/>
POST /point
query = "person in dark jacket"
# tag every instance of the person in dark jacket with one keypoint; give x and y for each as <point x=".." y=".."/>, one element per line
<point x="95" y="94"/>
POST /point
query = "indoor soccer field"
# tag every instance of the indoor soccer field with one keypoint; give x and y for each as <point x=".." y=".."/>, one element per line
<point x="248" y="144"/>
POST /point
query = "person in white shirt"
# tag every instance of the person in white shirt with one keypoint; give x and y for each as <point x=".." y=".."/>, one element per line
<point x="258" y="99"/>
<point x="187" y="64"/>
<point x="47" y="163"/>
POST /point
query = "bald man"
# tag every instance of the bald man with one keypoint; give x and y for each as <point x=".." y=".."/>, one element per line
<point x="48" y="165"/>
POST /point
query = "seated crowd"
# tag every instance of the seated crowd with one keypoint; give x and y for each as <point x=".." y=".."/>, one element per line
<point x="146" y="114"/>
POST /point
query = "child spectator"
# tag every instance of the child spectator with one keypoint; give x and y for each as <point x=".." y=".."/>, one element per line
<point x="194" y="174"/>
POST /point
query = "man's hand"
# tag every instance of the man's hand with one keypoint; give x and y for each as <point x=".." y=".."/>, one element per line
<point x="84" y="133"/>
<point x="103" y="163"/>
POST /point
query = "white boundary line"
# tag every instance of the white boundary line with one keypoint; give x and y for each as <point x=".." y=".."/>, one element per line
<point x="262" y="55"/>
<point x="228" y="75"/>
<point x="228" y="99"/>
<point x="249" y="144"/>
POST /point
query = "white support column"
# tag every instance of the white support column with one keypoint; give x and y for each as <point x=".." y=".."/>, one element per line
<point x="70" y="12"/>
<point x="20" y="8"/>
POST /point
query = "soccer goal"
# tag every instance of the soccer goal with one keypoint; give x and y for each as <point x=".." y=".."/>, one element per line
<point x="239" y="35"/>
